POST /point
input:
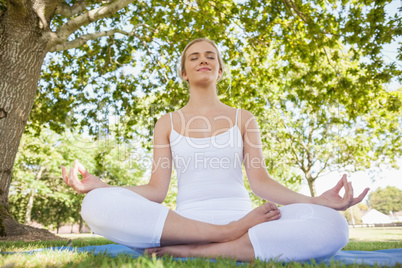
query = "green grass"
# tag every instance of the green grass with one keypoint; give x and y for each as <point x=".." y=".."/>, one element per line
<point x="71" y="259"/>
<point x="376" y="234"/>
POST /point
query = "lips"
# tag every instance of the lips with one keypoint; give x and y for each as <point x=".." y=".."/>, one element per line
<point x="204" y="69"/>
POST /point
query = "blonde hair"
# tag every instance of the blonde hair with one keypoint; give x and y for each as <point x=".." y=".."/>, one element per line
<point x="182" y="67"/>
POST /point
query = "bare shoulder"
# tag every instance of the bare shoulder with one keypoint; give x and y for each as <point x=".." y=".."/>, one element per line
<point x="162" y="128"/>
<point x="246" y="115"/>
<point x="246" y="120"/>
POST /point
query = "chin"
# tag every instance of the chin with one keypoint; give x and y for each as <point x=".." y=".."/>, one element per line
<point x="204" y="82"/>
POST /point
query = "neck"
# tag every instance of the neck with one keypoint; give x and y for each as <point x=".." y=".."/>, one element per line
<point x="203" y="98"/>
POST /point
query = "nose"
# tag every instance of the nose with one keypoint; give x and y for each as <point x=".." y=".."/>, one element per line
<point x="204" y="60"/>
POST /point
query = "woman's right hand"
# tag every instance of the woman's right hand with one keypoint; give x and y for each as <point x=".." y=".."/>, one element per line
<point x="87" y="184"/>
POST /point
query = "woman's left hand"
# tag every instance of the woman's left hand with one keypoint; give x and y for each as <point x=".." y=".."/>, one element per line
<point x="332" y="199"/>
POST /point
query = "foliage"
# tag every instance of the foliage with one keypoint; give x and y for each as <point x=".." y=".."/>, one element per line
<point x="298" y="66"/>
<point x="114" y="71"/>
<point x="290" y="66"/>
<point x="386" y="200"/>
<point x="54" y="203"/>
<point x="306" y="126"/>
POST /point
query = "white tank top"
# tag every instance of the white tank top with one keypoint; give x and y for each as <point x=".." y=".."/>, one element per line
<point x="209" y="174"/>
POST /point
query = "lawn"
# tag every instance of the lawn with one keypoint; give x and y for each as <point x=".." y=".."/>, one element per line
<point x="376" y="234"/>
<point x="361" y="239"/>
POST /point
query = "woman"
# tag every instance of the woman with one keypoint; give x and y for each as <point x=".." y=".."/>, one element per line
<point x="208" y="141"/>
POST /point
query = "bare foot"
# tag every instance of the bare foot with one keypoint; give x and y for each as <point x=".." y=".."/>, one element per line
<point x="267" y="212"/>
<point x="240" y="249"/>
<point x="179" y="230"/>
<point x="178" y="251"/>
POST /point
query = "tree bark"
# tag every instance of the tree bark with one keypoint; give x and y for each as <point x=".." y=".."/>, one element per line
<point x="81" y="225"/>
<point x="25" y="39"/>
<point x="310" y="181"/>
<point x="29" y="206"/>
<point x="22" y="51"/>
<point x="312" y="187"/>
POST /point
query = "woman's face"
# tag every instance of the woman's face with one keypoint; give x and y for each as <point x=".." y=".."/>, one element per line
<point x="201" y="64"/>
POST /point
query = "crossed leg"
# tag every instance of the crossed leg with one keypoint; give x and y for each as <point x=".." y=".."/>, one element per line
<point x="181" y="230"/>
<point x="304" y="232"/>
<point x="240" y="249"/>
<point x="129" y="219"/>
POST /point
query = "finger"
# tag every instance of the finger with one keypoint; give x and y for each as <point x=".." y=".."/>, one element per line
<point x="351" y="192"/>
<point x="340" y="184"/>
<point x="360" y="197"/>
<point x="346" y="185"/>
<point x="73" y="178"/>
<point x="81" y="169"/>
<point x="64" y="174"/>
<point x="351" y="189"/>
<point x="347" y="196"/>
<point x="348" y="192"/>
<point x="76" y="163"/>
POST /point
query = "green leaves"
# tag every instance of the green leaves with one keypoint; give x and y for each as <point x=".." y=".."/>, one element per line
<point x="37" y="173"/>
<point x="386" y="200"/>
<point x="311" y="72"/>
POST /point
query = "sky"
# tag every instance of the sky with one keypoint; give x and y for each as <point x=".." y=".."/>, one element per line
<point x="360" y="180"/>
<point x="390" y="51"/>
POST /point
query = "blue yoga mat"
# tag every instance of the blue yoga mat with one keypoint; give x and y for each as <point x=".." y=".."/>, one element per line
<point x="387" y="257"/>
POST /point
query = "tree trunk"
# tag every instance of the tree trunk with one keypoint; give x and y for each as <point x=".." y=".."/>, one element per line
<point x="312" y="187"/>
<point x="81" y="225"/>
<point x="29" y="206"/>
<point x="310" y="181"/>
<point x="22" y="51"/>
<point x="32" y="196"/>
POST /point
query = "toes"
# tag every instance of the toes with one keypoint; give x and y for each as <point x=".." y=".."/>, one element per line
<point x="273" y="215"/>
<point x="267" y="207"/>
<point x="152" y="251"/>
<point x="148" y="251"/>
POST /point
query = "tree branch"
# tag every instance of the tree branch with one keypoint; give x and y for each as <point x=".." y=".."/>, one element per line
<point x="323" y="169"/>
<point x="44" y="9"/>
<point x="93" y="15"/>
<point x="69" y="11"/>
<point x="291" y="4"/>
<point x="84" y="38"/>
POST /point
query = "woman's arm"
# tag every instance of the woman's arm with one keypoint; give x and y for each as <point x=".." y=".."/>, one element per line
<point x="158" y="185"/>
<point x="265" y="187"/>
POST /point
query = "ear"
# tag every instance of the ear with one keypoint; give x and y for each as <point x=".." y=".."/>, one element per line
<point x="184" y="75"/>
<point x="220" y="73"/>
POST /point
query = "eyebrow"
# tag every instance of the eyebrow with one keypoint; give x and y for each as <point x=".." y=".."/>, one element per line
<point x="195" y="53"/>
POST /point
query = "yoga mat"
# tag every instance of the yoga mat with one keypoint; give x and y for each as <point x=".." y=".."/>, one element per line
<point x="387" y="257"/>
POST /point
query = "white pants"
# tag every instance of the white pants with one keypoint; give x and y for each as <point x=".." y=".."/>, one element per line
<point x="124" y="217"/>
<point x="303" y="232"/>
